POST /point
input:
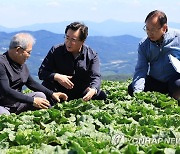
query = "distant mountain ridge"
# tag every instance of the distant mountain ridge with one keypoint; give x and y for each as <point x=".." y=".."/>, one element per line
<point x="106" y="28"/>
<point x="117" y="53"/>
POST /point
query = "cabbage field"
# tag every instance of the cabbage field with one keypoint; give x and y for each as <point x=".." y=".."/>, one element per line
<point x="147" y="123"/>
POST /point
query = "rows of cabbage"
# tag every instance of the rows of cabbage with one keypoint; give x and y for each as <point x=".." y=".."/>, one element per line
<point x="146" y="123"/>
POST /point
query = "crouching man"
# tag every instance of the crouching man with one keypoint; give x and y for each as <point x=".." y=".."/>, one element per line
<point x="14" y="74"/>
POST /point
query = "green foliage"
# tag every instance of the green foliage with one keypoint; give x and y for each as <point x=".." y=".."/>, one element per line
<point x="146" y="123"/>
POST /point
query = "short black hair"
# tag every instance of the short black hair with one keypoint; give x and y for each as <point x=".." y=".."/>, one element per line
<point x="78" y="26"/>
<point x="162" y="18"/>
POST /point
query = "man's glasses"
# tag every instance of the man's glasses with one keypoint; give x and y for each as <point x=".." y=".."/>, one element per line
<point x="151" y="30"/>
<point x="29" y="52"/>
<point x="72" y="40"/>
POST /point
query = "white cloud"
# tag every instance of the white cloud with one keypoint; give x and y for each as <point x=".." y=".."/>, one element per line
<point x="136" y="3"/>
<point x="94" y="8"/>
<point x="53" y="3"/>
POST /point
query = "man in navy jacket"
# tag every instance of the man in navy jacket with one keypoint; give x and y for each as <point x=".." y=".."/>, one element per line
<point x="73" y="67"/>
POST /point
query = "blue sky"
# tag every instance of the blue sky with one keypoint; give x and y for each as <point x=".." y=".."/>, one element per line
<point x="17" y="13"/>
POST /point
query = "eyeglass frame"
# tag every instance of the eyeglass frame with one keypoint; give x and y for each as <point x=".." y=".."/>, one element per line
<point x="152" y="31"/>
<point x="73" y="40"/>
<point x="29" y="52"/>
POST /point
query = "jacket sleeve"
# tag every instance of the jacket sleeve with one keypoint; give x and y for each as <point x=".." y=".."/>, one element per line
<point x="7" y="92"/>
<point x="46" y="69"/>
<point x="95" y="75"/>
<point x="35" y="86"/>
<point x="141" y="71"/>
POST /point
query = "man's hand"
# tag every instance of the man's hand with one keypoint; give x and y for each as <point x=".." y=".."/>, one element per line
<point x="41" y="103"/>
<point x="58" y="95"/>
<point x="90" y="93"/>
<point x="64" y="80"/>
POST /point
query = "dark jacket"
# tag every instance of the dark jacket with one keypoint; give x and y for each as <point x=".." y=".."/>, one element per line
<point x="13" y="77"/>
<point x="85" y="68"/>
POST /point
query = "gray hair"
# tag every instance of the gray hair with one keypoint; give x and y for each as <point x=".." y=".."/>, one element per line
<point x="21" y="40"/>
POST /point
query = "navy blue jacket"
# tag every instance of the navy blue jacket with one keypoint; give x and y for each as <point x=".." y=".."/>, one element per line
<point x="85" y="69"/>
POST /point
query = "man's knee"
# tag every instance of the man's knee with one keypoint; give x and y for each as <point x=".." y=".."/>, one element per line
<point x="101" y="95"/>
<point x="3" y="110"/>
<point x="40" y="94"/>
<point x="176" y="91"/>
<point x="174" y="88"/>
<point x="130" y="90"/>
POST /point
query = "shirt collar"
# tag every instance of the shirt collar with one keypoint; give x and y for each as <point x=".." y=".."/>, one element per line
<point x="159" y="43"/>
<point x="82" y="52"/>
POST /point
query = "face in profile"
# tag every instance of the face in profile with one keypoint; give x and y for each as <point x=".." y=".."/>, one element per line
<point x="23" y="54"/>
